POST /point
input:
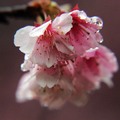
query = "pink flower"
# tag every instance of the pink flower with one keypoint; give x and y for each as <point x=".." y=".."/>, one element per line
<point x="43" y="45"/>
<point x="53" y="86"/>
<point x="68" y="80"/>
<point x="68" y="35"/>
<point x="64" y="60"/>
<point x="37" y="78"/>
<point x="96" y="66"/>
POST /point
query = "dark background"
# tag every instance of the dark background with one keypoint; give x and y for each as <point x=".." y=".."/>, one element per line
<point x="104" y="104"/>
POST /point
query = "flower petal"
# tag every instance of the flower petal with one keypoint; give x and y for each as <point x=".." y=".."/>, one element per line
<point x="27" y="65"/>
<point x="38" y="31"/>
<point x="24" y="88"/>
<point x="63" y="23"/>
<point x="81" y="14"/>
<point x="44" y="54"/>
<point x="23" y="40"/>
<point x="48" y="77"/>
<point x="62" y="44"/>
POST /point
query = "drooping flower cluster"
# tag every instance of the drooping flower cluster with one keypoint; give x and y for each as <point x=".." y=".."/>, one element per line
<point x="64" y="60"/>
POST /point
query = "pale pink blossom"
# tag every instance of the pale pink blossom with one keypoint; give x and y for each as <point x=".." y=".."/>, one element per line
<point x="24" y="91"/>
<point x="53" y="87"/>
<point x="97" y="66"/>
<point x="70" y="80"/>
<point x="44" y="44"/>
<point x="68" y="34"/>
<point x="30" y="88"/>
<point x="64" y="60"/>
<point x="37" y="78"/>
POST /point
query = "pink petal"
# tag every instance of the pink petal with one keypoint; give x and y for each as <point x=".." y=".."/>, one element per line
<point x="81" y="40"/>
<point x="44" y="54"/>
<point x="62" y="44"/>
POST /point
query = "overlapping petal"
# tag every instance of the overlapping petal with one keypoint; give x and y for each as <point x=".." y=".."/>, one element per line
<point x="97" y="66"/>
<point x="64" y="60"/>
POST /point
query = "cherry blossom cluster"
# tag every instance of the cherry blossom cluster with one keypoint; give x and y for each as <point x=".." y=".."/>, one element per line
<point x="64" y="59"/>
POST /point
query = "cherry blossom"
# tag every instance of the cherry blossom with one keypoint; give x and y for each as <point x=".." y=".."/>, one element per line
<point x="53" y="86"/>
<point x="69" y="80"/>
<point x="64" y="60"/>
<point x="97" y="66"/>
<point x="68" y="34"/>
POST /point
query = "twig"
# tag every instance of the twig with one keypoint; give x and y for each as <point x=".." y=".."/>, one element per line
<point x="20" y="11"/>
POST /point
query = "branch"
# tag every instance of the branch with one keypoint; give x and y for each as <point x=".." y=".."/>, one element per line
<point x="20" y="11"/>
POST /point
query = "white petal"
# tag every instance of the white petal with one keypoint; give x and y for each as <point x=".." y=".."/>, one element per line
<point x="90" y="52"/>
<point x="38" y="31"/>
<point x="27" y="65"/>
<point x="23" y="92"/>
<point x="23" y="40"/>
<point x="22" y="33"/>
<point x="63" y="23"/>
<point x="45" y="79"/>
<point x="82" y="15"/>
<point x="108" y="82"/>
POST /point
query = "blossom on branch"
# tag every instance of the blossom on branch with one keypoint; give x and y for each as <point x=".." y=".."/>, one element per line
<point x="64" y="60"/>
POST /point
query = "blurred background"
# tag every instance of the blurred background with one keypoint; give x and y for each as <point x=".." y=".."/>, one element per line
<point x="103" y="104"/>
